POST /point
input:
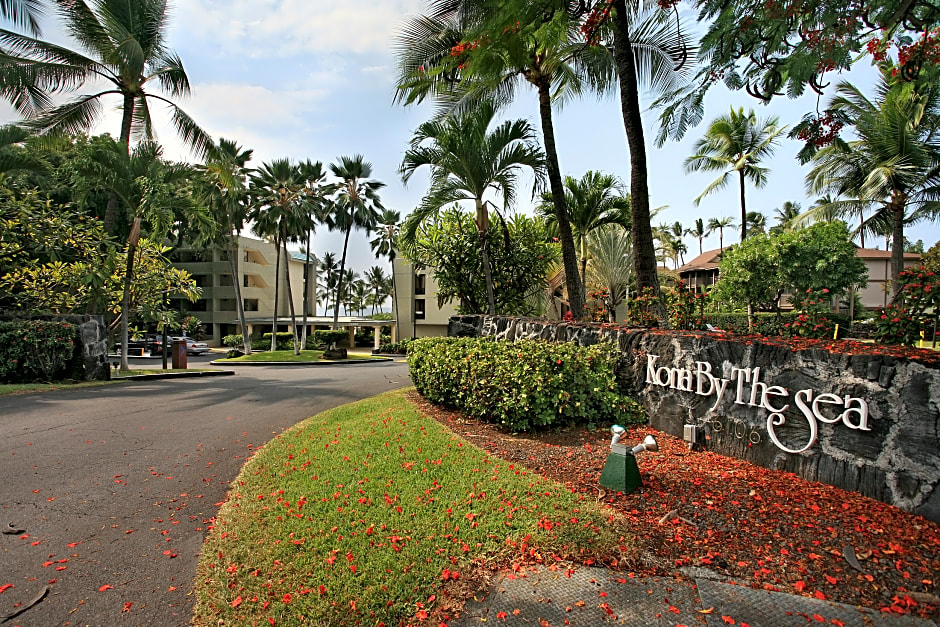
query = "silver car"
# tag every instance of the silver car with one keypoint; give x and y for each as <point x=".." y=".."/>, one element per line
<point x="192" y="346"/>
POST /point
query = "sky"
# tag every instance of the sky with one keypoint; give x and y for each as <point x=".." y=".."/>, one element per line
<point x="315" y="80"/>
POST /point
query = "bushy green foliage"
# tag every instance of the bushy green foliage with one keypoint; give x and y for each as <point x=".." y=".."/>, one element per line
<point x="769" y="323"/>
<point x="285" y="341"/>
<point x="324" y="338"/>
<point x="36" y="350"/>
<point x="522" y="385"/>
<point x="398" y="348"/>
<point x="235" y="341"/>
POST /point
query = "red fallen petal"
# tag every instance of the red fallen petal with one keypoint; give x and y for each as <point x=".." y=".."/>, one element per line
<point x="72" y="545"/>
<point x="237" y="601"/>
<point x="819" y="595"/>
<point x="127" y="607"/>
<point x="800" y="585"/>
<point x="5" y="586"/>
<point x="105" y="587"/>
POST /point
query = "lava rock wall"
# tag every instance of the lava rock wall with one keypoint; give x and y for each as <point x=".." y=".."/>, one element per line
<point x="867" y="423"/>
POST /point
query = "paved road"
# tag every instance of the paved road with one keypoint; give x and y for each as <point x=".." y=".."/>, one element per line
<point x="115" y="485"/>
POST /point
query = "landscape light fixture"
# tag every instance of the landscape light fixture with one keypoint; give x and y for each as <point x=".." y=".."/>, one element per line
<point x="620" y="471"/>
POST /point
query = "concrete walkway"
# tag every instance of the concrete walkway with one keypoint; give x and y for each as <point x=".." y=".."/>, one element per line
<point x="594" y="596"/>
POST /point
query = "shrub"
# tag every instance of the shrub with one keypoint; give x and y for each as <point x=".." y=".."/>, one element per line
<point x="522" y="385"/>
<point x="770" y="323"/>
<point x="325" y="337"/>
<point x="398" y="348"/>
<point x="917" y="301"/>
<point x="236" y="341"/>
<point x="36" y="350"/>
<point x="814" y="316"/>
<point x="285" y="341"/>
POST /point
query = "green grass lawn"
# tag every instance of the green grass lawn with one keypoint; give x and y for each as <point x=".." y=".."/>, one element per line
<point x="289" y="355"/>
<point x="362" y="513"/>
<point x="24" y="388"/>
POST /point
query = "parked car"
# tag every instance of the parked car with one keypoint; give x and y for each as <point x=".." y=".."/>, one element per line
<point x="192" y="346"/>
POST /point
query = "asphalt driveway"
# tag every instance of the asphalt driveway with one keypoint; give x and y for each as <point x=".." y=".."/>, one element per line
<point x="115" y="486"/>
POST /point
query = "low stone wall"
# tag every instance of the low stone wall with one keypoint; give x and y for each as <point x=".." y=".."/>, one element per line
<point x="866" y="423"/>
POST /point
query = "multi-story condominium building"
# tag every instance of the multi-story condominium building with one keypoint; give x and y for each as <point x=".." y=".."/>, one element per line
<point x="416" y="305"/>
<point x="256" y="267"/>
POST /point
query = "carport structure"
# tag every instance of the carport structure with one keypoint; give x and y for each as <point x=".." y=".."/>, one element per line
<point x="313" y="322"/>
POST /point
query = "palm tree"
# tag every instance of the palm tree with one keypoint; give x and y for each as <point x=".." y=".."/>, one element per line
<point x="355" y="205"/>
<point x="611" y="263"/>
<point x="224" y="192"/>
<point x="698" y="232"/>
<point x="467" y="160"/>
<point x="786" y="217"/>
<point x="593" y="201"/>
<point x="720" y="224"/>
<point x="23" y="13"/>
<point x="384" y="245"/>
<point x="548" y="59"/>
<point x="151" y="191"/>
<point x="376" y="279"/>
<point x="756" y="222"/>
<point x="314" y="205"/>
<point x="892" y="166"/>
<point x="276" y="209"/>
<point x="736" y="142"/>
<point x="327" y="270"/>
<point x="125" y="44"/>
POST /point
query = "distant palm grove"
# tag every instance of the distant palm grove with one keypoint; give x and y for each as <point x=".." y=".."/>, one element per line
<point x="87" y="222"/>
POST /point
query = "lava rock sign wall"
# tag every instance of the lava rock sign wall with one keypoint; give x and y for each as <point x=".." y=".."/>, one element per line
<point x="867" y="423"/>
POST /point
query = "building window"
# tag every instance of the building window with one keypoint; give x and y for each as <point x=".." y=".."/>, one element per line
<point x="202" y="280"/>
<point x="419" y="309"/>
<point x="199" y="305"/>
<point x="251" y="304"/>
<point x="226" y="304"/>
<point x="225" y="280"/>
<point x="420" y="284"/>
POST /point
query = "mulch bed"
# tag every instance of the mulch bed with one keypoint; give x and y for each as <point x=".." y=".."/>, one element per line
<point x="758" y="527"/>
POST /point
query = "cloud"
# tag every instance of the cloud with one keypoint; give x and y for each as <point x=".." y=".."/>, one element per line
<point x="266" y="28"/>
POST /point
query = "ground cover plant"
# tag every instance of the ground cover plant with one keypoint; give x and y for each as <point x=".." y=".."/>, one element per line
<point x="374" y="513"/>
<point x="751" y="525"/>
<point x="25" y="388"/>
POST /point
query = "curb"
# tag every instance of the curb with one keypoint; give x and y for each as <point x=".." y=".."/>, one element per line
<point x="300" y="363"/>
<point x="176" y="375"/>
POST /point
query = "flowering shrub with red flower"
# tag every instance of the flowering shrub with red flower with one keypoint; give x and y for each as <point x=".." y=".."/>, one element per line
<point x="597" y="305"/>
<point x="917" y="302"/>
<point x="813" y="316"/>
<point x="641" y="308"/>
<point x="37" y="350"/>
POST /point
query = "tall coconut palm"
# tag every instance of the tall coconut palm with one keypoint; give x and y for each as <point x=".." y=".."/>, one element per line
<point x="124" y="46"/>
<point x="314" y="206"/>
<point x="720" y="224"/>
<point x="385" y="245"/>
<point x="376" y="279"/>
<point x="327" y="272"/>
<point x="786" y="217"/>
<point x="468" y="161"/>
<point x="355" y="204"/>
<point x="548" y="58"/>
<point x="223" y="190"/>
<point x="735" y="143"/>
<point x="756" y="222"/>
<point x="698" y="232"/>
<point x="276" y="191"/>
<point x="894" y="162"/>
<point x="151" y="191"/>
<point x="593" y="200"/>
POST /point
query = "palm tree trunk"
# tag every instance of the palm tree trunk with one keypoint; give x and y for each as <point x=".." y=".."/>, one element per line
<point x="303" y="335"/>
<point x="897" y="241"/>
<point x="700" y="246"/>
<point x="721" y="239"/>
<point x="132" y="240"/>
<point x="239" y="302"/>
<point x="584" y="268"/>
<point x="290" y="299"/>
<point x="644" y="253"/>
<point x="568" y="253"/>
<point x="277" y="289"/>
<point x="127" y="120"/>
<point x="483" y="227"/>
<point x="861" y="229"/>
<point x="339" y="280"/>
<point x="743" y="208"/>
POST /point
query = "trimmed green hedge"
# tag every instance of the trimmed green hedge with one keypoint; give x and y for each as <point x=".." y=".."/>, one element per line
<point x="398" y="348"/>
<point x="39" y="351"/>
<point x="522" y="385"/>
